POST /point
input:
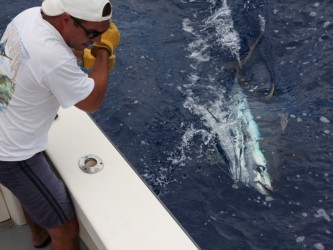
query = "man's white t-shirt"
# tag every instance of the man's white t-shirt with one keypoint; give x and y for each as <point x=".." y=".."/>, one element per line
<point x="38" y="73"/>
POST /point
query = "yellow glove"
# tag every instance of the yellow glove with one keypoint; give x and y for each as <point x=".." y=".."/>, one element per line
<point x="89" y="60"/>
<point x="109" y="40"/>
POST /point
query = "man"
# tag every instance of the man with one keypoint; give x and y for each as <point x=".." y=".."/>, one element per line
<point x="38" y="73"/>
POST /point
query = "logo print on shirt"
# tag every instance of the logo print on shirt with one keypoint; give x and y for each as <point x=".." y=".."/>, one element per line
<point x="11" y="57"/>
<point x="3" y="50"/>
<point x="6" y="91"/>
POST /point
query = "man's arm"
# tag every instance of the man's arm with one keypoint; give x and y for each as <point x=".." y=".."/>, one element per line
<point x="100" y="75"/>
<point x="102" y="60"/>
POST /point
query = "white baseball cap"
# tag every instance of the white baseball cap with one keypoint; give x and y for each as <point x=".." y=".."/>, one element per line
<point x="88" y="10"/>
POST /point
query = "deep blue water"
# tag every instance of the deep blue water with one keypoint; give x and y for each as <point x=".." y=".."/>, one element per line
<point x="171" y="74"/>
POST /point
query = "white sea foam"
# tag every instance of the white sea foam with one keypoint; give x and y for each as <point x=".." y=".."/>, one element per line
<point x="300" y="239"/>
<point x="198" y="50"/>
<point x="324" y="119"/>
<point x="312" y="13"/>
<point x="326" y="24"/>
<point x="262" y="23"/>
<point x="319" y="246"/>
<point x="322" y="213"/>
<point x="227" y="36"/>
<point x="186" y="25"/>
<point x="187" y="144"/>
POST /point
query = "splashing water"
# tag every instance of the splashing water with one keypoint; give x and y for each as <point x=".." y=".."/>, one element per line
<point x="227" y="37"/>
<point x="229" y="124"/>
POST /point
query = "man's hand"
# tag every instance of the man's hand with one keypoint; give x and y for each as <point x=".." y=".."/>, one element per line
<point x="109" y="40"/>
<point x="89" y="60"/>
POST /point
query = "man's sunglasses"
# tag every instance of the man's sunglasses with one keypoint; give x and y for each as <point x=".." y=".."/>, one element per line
<point x="90" y="34"/>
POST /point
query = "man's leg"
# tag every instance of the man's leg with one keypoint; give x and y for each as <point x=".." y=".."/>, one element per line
<point x="39" y="235"/>
<point x="65" y="236"/>
<point x="45" y="200"/>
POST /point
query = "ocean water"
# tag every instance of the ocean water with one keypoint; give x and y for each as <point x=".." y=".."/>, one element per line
<point x="170" y="103"/>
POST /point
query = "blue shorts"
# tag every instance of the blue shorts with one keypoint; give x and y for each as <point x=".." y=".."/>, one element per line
<point x="41" y="193"/>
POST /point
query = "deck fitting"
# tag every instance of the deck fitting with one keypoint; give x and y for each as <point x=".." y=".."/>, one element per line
<point x="91" y="164"/>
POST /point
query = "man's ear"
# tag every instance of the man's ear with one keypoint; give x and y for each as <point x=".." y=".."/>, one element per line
<point x="66" y="19"/>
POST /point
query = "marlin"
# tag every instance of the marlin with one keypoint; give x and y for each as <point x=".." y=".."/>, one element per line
<point x="239" y="141"/>
<point x="3" y="50"/>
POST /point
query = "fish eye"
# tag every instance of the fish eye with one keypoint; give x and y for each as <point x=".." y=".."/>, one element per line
<point x="260" y="168"/>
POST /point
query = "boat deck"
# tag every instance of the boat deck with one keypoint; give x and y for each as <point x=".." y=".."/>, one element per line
<point x="14" y="237"/>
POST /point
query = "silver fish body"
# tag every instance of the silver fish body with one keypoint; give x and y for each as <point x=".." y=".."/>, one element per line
<point x="247" y="163"/>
